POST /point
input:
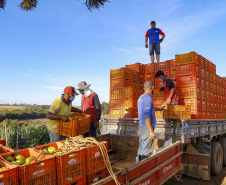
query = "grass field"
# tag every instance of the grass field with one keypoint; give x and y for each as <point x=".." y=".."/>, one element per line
<point x="11" y="107"/>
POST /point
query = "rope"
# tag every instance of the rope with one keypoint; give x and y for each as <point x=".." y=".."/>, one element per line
<point x="79" y="142"/>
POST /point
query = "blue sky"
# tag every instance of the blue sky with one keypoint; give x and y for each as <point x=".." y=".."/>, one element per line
<point x="62" y="43"/>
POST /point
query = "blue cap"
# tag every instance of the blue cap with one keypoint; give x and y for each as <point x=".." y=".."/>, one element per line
<point x="153" y="22"/>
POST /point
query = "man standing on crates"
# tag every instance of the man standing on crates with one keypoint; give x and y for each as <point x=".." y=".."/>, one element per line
<point x="59" y="110"/>
<point x="154" y="41"/>
<point x="147" y="121"/>
<point x="169" y="87"/>
<point x="90" y="105"/>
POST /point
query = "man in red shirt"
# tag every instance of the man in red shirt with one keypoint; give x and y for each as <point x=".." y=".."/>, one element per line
<point x="90" y="105"/>
<point x="169" y="87"/>
<point x="154" y="41"/>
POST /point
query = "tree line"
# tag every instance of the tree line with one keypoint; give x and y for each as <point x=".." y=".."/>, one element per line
<point x="35" y="112"/>
<point x="29" y="112"/>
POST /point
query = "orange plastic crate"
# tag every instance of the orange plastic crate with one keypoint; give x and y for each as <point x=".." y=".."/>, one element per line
<point x="158" y="103"/>
<point x="94" y="177"/>
<point x="120" y="83"/>
<point x="9" y="176"/>
<point x="163" y="66"/>
<point x="158" y="84"/>
<point x="131" y="92"/>
<point x="150" y="68"/>
<point x="203" y="93"/>
<point x="188" y="81"/>
<point x="149" y="77"/>
<point x="80" y="181"/>
<point x="75" y="127"/>
<point x="207" y="74"/>
<point x="94" y="159"/>
<point x="121" y="73"/>
<point x="173" y="74"/>
<point x="158" y="95"/>
<point x="201" y="61"/>
<point x="208" y="105"/>
<point x="34" y="173"/>
<point x="189" y="92"/>
<point x="116" y="104"/>
<point x="198" y="115"/>
<point x="187" y="58"/>
<point x="138" y="67"/>
<point x="130" y="103"/>
<point x="204" y="105"/>
<point x="188" y="69"/>
<point x="70" y="166"/>
<point x="195" y="103"/>
<point x="212" y="67"/>
<point x="211" y="95"/>
<point x="211" y="86"/>
<point x="4" y="149"/>
<point x="208" y="84"/>
<point x="203" y="83"/>
<point x="172" y="64"/>
<point x="116" y="94"/>
<point x="3" y="142"/>
<point x="115" y="113"/>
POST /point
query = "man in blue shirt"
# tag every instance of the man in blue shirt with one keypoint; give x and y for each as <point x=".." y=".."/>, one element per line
<point x="154" y="41"/>
<point x="147" y="121"/>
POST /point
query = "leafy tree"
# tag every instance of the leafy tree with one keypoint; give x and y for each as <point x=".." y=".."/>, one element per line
<point x="29" y="5"/>
<point x="105" y="108"/>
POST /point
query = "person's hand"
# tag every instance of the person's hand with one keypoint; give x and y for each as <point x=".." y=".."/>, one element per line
<point x="96" y="125"/>
<point x="152" y="135"/>
<point x="146" y="45"/>
<point x="168" y="101"/>
<point x="161" y="89"/>
<point x="80" y="111"/>
<point x="64" y="118"/>
<point x="160" y="40"/>
<point x="163" y="108"/>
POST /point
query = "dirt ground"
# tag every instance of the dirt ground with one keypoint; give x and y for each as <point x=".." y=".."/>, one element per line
<point x="215" y="180"/>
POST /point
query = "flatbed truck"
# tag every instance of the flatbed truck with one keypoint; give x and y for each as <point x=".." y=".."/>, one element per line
<point x="203" y="141"/>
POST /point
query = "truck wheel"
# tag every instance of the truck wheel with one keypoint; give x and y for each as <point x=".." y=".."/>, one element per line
<point x="222" y="141"/>
<point x="216" y="158"/>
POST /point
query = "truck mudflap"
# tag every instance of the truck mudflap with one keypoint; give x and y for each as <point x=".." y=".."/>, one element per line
<point x="154" y="170"/>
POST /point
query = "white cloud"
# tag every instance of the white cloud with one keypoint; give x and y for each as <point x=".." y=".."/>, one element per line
<point x="121" y="49"/>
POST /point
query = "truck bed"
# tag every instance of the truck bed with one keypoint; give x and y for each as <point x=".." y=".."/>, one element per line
<point x="153" y="170"/>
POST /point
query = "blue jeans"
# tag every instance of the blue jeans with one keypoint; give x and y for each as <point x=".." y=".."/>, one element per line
<point x="146" y="143"/>
<point x="92" y="132"/>
<point x="54" y="137"/>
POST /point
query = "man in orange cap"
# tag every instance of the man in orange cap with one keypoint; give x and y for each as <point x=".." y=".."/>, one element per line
<point x="59" y="110"/>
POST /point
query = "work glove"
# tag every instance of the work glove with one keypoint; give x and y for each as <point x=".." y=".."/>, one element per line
<point x="146" y="45"/>
<point x="160" y="40"/>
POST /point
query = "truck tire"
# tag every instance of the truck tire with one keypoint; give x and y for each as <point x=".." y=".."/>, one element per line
<point x="216" y="158"/>
<point x="222" y="141"/>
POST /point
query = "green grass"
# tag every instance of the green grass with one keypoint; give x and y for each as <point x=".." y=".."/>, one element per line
<point x="11" y="107"/>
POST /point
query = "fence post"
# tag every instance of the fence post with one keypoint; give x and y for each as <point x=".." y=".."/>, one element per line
<point x="17" y="136"/>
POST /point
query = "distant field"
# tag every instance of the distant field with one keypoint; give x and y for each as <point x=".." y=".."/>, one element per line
<point x="11" y="107"/>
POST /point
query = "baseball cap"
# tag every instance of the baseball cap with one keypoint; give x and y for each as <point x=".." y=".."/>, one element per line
<point x="153" y="22"/>
<point x="70" y="89"/>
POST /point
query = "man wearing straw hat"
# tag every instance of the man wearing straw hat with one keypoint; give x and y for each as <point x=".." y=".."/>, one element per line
<point x="90" y="105"/>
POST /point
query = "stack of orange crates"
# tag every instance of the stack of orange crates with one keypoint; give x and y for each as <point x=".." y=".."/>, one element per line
<point x="195" y="77"/>
<point x="198" y="85"/>
<point x="125" y="89"/>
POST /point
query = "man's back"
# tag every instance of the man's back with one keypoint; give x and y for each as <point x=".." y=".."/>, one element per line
<point x="146" y="110"/>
